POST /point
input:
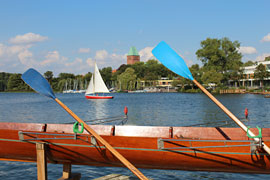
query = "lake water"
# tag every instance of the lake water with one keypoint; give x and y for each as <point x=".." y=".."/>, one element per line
<point x="149" y="109"/>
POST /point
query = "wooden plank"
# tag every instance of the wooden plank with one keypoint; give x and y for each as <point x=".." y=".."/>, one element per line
<point x="143" y="131"/>
<point x="104" y="130"/>
<point x="24" y="126"/>
<point x="41" y="161"/>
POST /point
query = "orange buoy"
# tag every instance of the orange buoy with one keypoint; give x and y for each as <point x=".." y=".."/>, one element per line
<point x="246" y="113"/>
<point x="125" y="110"/>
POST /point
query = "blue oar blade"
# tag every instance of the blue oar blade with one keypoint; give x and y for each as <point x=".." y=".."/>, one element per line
<point x="36" y="81"/>
<point x="169" y="58"/>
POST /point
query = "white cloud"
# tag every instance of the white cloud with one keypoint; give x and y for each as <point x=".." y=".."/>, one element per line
<point x="262" y="57"/>
<point x="90" y="62"/>
<point x="25" y="57"/>
<point x="266" y="38"/>
<point x="74" y="63"/>
<point x="84" y="50"/>
<point x="1" y="49"/>
<point x="19" y="57"/>
<point x="27" y="38"/>
<point x="117" y="56"/>
<point x="57" y="63"/>
<point x="105" y="59"/>
<point x="53" y="57"/>
<point x="115" y="60"/>
<point x="247" y="50"/>
<point x="78" y="66"/>
<point x="146" y="53"/>
<point x="13" y="54"/>
<point x="9" y="51"/>
<point x="101" y="55"/>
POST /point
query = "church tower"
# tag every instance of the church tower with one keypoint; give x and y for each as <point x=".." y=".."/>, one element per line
<point x="133" y="56"/>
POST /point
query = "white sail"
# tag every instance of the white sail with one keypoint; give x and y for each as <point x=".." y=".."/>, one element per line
<point x="90" y="88"/>
<point x="99" y="84"/>
<point x="96" y="84"/>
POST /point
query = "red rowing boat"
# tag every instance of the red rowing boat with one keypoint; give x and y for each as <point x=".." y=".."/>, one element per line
<point x="180" y="148"/>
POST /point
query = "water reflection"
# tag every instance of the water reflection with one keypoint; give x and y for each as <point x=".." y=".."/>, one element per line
<point x="97" y="109"/>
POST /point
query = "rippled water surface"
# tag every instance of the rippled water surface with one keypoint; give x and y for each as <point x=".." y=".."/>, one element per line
<point x="150" y="109"/>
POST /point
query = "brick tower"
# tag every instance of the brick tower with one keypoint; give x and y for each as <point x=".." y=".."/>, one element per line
<point x="133" y="56"/>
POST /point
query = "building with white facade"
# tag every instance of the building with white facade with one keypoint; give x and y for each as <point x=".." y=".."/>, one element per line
<point x="249" y="81"/>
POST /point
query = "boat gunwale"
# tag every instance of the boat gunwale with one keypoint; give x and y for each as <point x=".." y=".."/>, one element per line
<point x="210" y="133"/>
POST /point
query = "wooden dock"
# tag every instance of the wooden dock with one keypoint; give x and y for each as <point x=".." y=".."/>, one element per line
<point x="232" y="91"/>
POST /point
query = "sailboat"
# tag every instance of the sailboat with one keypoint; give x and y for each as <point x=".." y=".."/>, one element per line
<point x="96" y="86"/>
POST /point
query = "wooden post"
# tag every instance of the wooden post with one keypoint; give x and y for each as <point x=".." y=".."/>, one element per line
<point x="67" y="175"/>
<point x="41" y="161"/>
<point x="66" y="171"/>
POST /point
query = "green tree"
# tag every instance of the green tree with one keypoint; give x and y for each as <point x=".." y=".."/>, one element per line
<point x="54" y="84"/>
<point x="180" y="81"/>
<point x="248" y="63"/>
<point x="87" y="77"/>
<point x="106" y="74"/>
<point x="157" y="69"/>
<point x="122" y="68"/>
<point x="261" y="73"/>
<point x="212" y="76"/>
<point x="151" y="76"/>
<point x="4" y="80"/>
<point x="3" y="85"/>
<point x="119" y="71"/>
<point x="151" y="69"/>
<point x="196" y="72"/>
<point x="15" y="83"/>
<point x="221" y="56"/>
<point x="267" y="58"/>
<point x="139" y="68"/>
<point x="62" y="85"/>
<point x="66" y="76"/>
<point x="127" y="79"/>
<point x="49" y="76"/>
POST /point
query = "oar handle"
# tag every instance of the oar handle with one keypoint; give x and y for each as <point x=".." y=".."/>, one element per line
<point x="231" y="115"/>
<point x="104" y="142"/>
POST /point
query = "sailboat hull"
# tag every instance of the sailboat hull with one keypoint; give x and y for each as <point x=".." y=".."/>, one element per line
<point x="98" y="97"/>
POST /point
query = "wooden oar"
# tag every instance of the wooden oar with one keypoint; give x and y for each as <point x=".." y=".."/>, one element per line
<point x="35" y="80"/>
<point x="169" y="58"/>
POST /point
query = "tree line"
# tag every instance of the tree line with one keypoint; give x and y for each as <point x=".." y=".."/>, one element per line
<point x="221" y="61"/>
<point x="125" y="76"/>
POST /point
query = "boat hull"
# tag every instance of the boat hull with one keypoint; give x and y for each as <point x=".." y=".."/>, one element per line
<point x="179" y="148"/>
<point x="98" y="97"/>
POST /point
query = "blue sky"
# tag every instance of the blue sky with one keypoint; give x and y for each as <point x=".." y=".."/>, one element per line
<point x="68" y="36"/>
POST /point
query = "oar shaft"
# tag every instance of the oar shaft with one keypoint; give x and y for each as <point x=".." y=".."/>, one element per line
<point x="104" y="142"/>
<point x="231" y="115"/>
